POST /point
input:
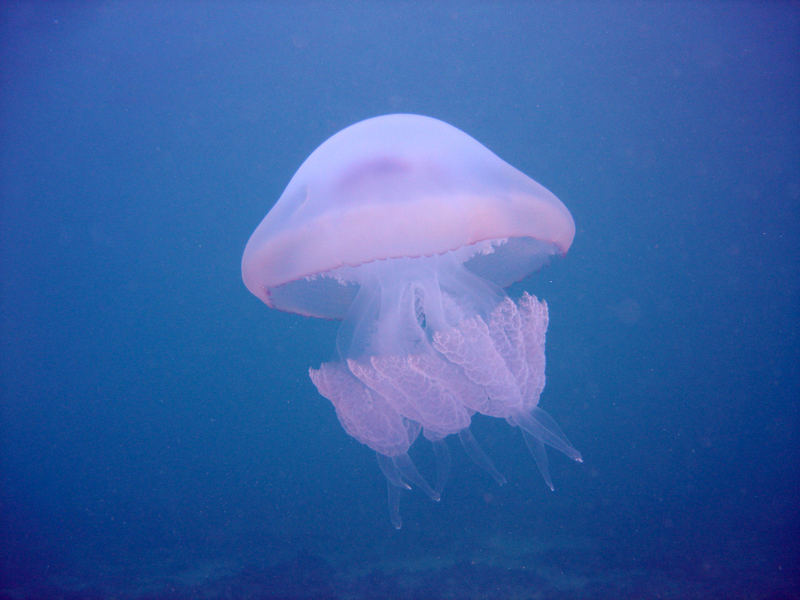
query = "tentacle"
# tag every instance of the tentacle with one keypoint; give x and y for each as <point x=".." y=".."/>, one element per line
<point x="386" y="463"/>
<point x="409" y="472"/>
<point x="539" y="453"/>
<point x="478" y="456"/>
<point x="443" y="461"/>
<point x="542" y="426"/>
<point x="393" y="493"/>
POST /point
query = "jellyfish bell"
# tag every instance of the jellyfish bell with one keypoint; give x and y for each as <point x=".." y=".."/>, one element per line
<point x="408" y="229"/>
<point x="398" y="186"/>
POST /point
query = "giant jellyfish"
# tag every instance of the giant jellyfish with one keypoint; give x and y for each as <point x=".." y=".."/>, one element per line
<point x="408" y="230"/>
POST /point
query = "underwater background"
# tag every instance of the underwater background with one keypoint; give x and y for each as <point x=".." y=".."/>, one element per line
<point x="159" y="434"/>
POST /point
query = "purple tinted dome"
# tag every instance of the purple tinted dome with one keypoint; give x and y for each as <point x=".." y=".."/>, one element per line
<point x="398" y="186"/>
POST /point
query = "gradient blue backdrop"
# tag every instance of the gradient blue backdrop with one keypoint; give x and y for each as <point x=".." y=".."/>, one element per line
<point x="159" y="436"/>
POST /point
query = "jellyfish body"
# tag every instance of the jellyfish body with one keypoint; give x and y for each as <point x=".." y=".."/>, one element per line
<point x="408" y="229"/>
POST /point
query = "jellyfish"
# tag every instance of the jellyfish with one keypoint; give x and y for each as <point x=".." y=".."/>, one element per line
<point x="408" y="230"/>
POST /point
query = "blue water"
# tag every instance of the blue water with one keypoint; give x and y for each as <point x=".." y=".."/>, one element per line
<point x="159" y="435"/>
